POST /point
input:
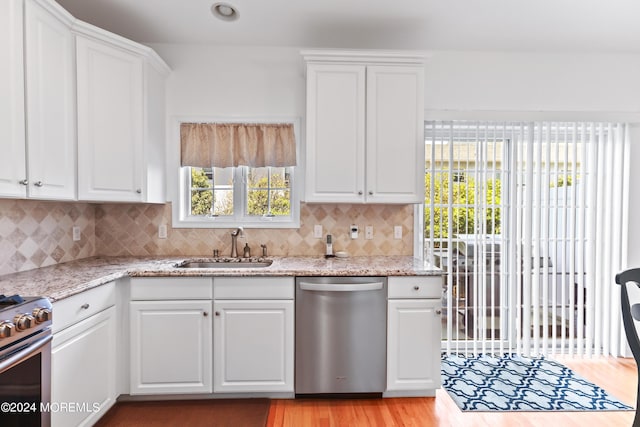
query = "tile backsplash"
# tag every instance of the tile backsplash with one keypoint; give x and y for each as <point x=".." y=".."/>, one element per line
<point x="133" y="230"/>
<point x="39" y="233"/>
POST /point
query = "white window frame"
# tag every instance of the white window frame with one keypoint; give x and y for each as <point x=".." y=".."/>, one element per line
<point x="178" y="183"/>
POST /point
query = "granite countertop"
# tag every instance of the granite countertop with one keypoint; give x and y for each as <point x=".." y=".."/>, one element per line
<point x="63" y="280"/>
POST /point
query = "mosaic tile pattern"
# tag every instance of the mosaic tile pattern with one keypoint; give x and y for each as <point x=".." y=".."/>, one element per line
<point x="38" y="233"/>
<point x="124" y="230"/>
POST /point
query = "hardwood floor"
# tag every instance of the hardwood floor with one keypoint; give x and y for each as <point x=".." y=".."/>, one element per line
<point x="617" y="376"/>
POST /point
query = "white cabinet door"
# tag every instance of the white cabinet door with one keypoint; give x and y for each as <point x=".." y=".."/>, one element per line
<point x="335" y="133"/>
<point x="253" y="346"/>
<point x="12" y="136"/>
<point x="365" y="133"/>
<point x="110" y="122"/>
<point x="170" y="347"/>
<point x="51" y="108"/>
<point x="83" y="370"/>
<point x="395" y="135"/>
<point x="413" y="345"/>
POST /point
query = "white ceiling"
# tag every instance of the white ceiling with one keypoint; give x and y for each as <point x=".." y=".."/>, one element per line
<point x="529" y="25"/>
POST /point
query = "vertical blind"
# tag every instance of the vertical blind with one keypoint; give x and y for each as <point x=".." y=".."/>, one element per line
<point x="528" y="221"/>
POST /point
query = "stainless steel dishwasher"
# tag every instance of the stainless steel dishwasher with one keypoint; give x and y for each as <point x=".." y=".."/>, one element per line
<point x="341" y="330"/>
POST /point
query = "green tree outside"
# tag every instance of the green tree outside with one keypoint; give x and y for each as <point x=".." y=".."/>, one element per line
<point x="258" y="204"/>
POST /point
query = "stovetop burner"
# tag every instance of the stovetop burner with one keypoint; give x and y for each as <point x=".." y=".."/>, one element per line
<point x="10" y="300"/>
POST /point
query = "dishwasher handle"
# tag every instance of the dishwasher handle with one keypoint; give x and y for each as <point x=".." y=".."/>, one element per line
<point x="341" y="287"/>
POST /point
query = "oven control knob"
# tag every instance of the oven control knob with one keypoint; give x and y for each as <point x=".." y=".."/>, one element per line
<point x="24" y="322"/>
<point x="41" y="314"/>
<point x="7" y="329"/>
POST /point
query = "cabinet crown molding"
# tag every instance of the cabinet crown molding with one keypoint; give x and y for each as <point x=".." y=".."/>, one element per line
<point x="91" y="31"/>
<point x="401" y="57"/>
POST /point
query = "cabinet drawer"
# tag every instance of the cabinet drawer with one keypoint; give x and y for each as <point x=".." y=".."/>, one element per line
<point x="170" y="288"/>
<point x="253" y="287"/>
<point x="71" y="310"/>
<point x="415" y="287"/>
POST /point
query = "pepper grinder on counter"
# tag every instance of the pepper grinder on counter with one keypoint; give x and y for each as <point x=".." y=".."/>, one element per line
<point x="247" y="251"/>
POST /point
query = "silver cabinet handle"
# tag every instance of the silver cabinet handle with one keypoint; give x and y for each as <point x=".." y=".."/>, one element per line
<point x="139" y="191"/>
<point x="38" y="184"/>
<point x="371" y="193"/>
<point x="84" y="306"/>
<point x="205" y="314"/>
<point x="340" y="287"/>
<point x="217" y="313"/>
<point x="24" y="182"/>
<point x="438" y="312"/>
<point x="416" y="288"/>
<point x="359" y="193"/>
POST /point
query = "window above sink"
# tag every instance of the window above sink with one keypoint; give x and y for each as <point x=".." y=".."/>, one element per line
<point x="225" y="197"/>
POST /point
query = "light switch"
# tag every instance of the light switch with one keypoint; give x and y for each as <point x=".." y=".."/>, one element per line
<point x="397" y="232"/>
<point x="76" y="233"/>
<point x="317" y="231"/>
<point x="162" y="231"/>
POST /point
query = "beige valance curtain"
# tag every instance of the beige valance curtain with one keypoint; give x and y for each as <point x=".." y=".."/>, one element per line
<point x="237" y="144"/>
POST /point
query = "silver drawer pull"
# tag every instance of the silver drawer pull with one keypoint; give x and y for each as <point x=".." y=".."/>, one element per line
<point x="84" y="306"/>
<point x="416" y="288"/>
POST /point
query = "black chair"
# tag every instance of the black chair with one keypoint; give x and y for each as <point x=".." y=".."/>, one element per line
<point x="629" y="313"/>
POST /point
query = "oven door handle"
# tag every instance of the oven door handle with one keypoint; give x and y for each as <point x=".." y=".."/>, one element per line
<point x="25" y="353"/>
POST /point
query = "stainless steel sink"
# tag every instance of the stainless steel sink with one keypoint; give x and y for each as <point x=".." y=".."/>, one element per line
<point x="227" y="263"/>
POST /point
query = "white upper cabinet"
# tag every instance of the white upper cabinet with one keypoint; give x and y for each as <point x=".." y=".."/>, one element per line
<point x="110" y="121"/>
<point x="50" y="99"/>
<point x="38" y="48"/>
<point x="12" y="137"/>
<point x="364" y="128"/>
<point x="120" y="123"/>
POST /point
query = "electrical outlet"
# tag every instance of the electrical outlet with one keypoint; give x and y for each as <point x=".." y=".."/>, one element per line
<point x="368" y="232"/>
<point x="76" y="233"/>
<point x="354" y="231"/>
<point x="162" y="231"/>
<point x="317" y="231"/>
<point x="397" y="232"/>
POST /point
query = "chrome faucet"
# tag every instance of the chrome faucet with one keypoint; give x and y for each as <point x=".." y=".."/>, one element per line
<point x="234" y="241"/>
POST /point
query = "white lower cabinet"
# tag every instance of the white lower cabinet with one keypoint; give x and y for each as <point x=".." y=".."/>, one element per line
<point x="83" y="366"/>
<point x="413" y="335"/>
<point x="253" y="338"/>
<point x="170" y="335"/>
<point x="253" y="346"/>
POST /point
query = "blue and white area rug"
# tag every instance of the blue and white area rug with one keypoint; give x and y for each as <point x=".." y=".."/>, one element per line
<point x="517" y="383"/>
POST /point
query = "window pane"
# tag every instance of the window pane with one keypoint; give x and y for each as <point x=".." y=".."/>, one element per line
<point x="211" y="191"/>
<point x="268" y="191"/>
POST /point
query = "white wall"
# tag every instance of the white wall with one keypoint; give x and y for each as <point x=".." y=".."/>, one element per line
<point x="260" y="82"/>
<point x="499" y="81"/>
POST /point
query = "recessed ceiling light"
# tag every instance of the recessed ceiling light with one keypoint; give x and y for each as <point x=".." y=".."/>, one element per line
<point x="224" y="11"/>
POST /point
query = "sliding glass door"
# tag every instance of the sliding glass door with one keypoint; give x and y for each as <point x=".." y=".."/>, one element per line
<point x="525" y="219"/>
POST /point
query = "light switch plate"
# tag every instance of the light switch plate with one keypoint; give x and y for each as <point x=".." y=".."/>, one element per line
<point x="368" y="232"/>
<point x="162" y="231"/>
<point x="317" y="231"/>
<point x="397" y="232"/>
<point x="76" y="233"/>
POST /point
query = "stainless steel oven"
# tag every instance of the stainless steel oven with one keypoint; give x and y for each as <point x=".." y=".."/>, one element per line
<point x="25" y="361"/>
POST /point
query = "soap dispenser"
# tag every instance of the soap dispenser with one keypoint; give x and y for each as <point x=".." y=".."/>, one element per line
<point x="247" y="251"/>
